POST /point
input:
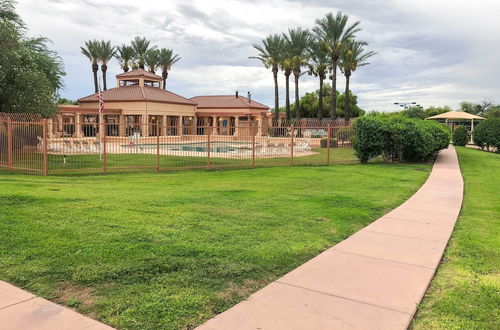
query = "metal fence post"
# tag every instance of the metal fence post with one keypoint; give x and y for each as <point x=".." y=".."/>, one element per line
<point x="45" y="148"/>
<point x="208" y="150"/>
<point x="253" y="151"/>
<point x="158" y="129"/>
<point x="9" y="144"/>
<point x="104" y="155"/>
<point x="292" y="130"/>
<point x="328" y="145"/>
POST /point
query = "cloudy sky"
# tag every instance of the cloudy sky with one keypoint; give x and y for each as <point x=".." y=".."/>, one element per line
<point x="434" y="52"/>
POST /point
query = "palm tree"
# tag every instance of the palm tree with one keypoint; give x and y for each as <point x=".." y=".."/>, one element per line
<point x="140" y="47"/>
<point x="333" y="31"/>
<point x="270" y="55"/>
<point x="91" y="51"/>
<point x="124" y="55"/>
<point x="353" y="55"/>
<point x="319" y="66"/>
<point x="298" y="41"/>
<point x="106" y="52"/>
<point x="152" y="59"/>
<point x="167" y="59"/>
<point x="286" y="64"/>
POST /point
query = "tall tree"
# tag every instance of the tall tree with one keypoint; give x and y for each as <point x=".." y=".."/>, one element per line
<point x="298" y="41"/>
<point x="91" y="51"/>
<point x="286" y="65"/>
<point x="318" y="66"/>
<point x="124" y="55"/>
<point x="106" y="53"/>
<point x="167" y="59"/>
<point x="152" y="59"/>
<point x="270" y="55"/>
<point x="333" y="31"/>
<point x="30" y="73"/>
<point x="353" y="56"/>
<point x="140" y="47"/>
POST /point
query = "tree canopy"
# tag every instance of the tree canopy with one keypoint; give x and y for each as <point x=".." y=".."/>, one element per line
<point x="30" y="73"/>
<point x="310" y="101"/>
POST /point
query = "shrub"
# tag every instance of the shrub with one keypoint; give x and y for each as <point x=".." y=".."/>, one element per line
<point x="324" y="143"/>
<point x="397" y="137"/>
<point x="487" y="134"/>
<point x="460" y="136"/>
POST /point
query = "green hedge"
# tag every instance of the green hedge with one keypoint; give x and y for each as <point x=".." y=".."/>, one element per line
<point x="324" y="143"/>
<point x="397" y="137"/>
<point x="487" y="134"/>
<point x="460" y="136"/>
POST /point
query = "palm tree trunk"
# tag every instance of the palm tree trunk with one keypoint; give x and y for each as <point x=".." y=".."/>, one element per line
<point x="95" y="67"/>
<point x="333" y="104"/>
<point x="347" y="101"/>
<point x="320" y="101"/>
<point x="297" y="100"/>
<point x="287" y="95"/>
<point x="164" y="74"/>
<point x="276" y="96"/>
<point x="104" y="68"/>
<point x="125" y="68"/>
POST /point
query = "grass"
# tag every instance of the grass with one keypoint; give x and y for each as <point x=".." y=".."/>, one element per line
<point x="120" y="162"/>
<point x="465" y="293"/>
<point x="171" y="250"/>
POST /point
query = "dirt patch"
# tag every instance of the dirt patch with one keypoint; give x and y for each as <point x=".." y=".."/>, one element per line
<point x="235" y="291"/>
<point x="75" y="296"/>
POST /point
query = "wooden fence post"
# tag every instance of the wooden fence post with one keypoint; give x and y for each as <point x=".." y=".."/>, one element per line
<point x="292" y="130"/>
<point x="208" y="150"/>
<point x="328" y="145"/>
<point x="45" y="148"/>
<point x="9" y="144"/>
<point x="158" y="129"/>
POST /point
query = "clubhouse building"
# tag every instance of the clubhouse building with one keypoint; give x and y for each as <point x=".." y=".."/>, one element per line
<point x="139" y="105"/>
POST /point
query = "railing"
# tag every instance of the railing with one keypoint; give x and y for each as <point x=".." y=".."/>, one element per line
<point x="43" y="148"/>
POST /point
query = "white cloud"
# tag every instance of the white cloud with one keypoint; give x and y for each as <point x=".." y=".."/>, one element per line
<point x="432" y="52"/>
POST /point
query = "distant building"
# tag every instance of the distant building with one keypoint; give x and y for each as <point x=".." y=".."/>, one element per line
<point x="139" y="104"/>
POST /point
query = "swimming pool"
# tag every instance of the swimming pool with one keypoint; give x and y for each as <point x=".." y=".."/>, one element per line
<point x="223" y="147"/>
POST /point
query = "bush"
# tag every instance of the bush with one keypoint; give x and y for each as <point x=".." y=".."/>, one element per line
<point x="333" y="143"/>
<point x="460" y="136"/>
<point x="487" y="134"/>
<point x="397" y="137"/>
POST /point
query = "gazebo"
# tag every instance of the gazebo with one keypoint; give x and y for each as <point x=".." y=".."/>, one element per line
<point x="457" y="116"/>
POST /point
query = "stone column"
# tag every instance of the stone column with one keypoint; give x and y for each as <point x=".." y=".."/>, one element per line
<point x="194" y="126"/>
<point x="50" y="123"/>
<point x="78" y="125"/>
<point x="236" y="126"/>
<point x="259" y="126"/>
<point x="179" y="126"/>
<point x="164" y="123"/>
<point x="214" y="125"/>
<point x="145" y="125"/>
<point x="121" y="125"/>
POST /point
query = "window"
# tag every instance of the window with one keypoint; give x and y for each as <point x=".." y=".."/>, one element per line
<point x="152" y="83"/>
<point x="134" y="82"/>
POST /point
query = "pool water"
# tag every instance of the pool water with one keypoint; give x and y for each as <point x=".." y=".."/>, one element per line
<point x="223" y="147"/>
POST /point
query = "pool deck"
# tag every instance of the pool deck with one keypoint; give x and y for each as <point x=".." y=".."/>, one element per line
<point x="374" y="279"/>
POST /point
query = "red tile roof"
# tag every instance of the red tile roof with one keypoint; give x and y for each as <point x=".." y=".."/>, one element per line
<point x="138" y="93"/>
<point x="227" y="102"/>
<point x="138" y="73"/>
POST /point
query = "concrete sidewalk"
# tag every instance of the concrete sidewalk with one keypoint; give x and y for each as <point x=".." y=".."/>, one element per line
<point x="21" y="310"/>
<point x="374" y="279"/>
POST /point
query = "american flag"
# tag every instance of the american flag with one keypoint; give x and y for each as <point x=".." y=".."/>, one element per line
<point x="101" y="102"/>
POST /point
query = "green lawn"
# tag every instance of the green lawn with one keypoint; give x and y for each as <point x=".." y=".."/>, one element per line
<point x="120" y="162"/>
<point x="171" y="250"/>
<point x="465" y="294"/>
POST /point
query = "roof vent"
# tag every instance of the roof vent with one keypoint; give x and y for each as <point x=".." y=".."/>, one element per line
<point x="249" y="97"/>
<point x="236" y="94"/>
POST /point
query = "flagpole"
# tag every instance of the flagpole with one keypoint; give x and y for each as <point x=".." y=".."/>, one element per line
<point x="101" y="124"/>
